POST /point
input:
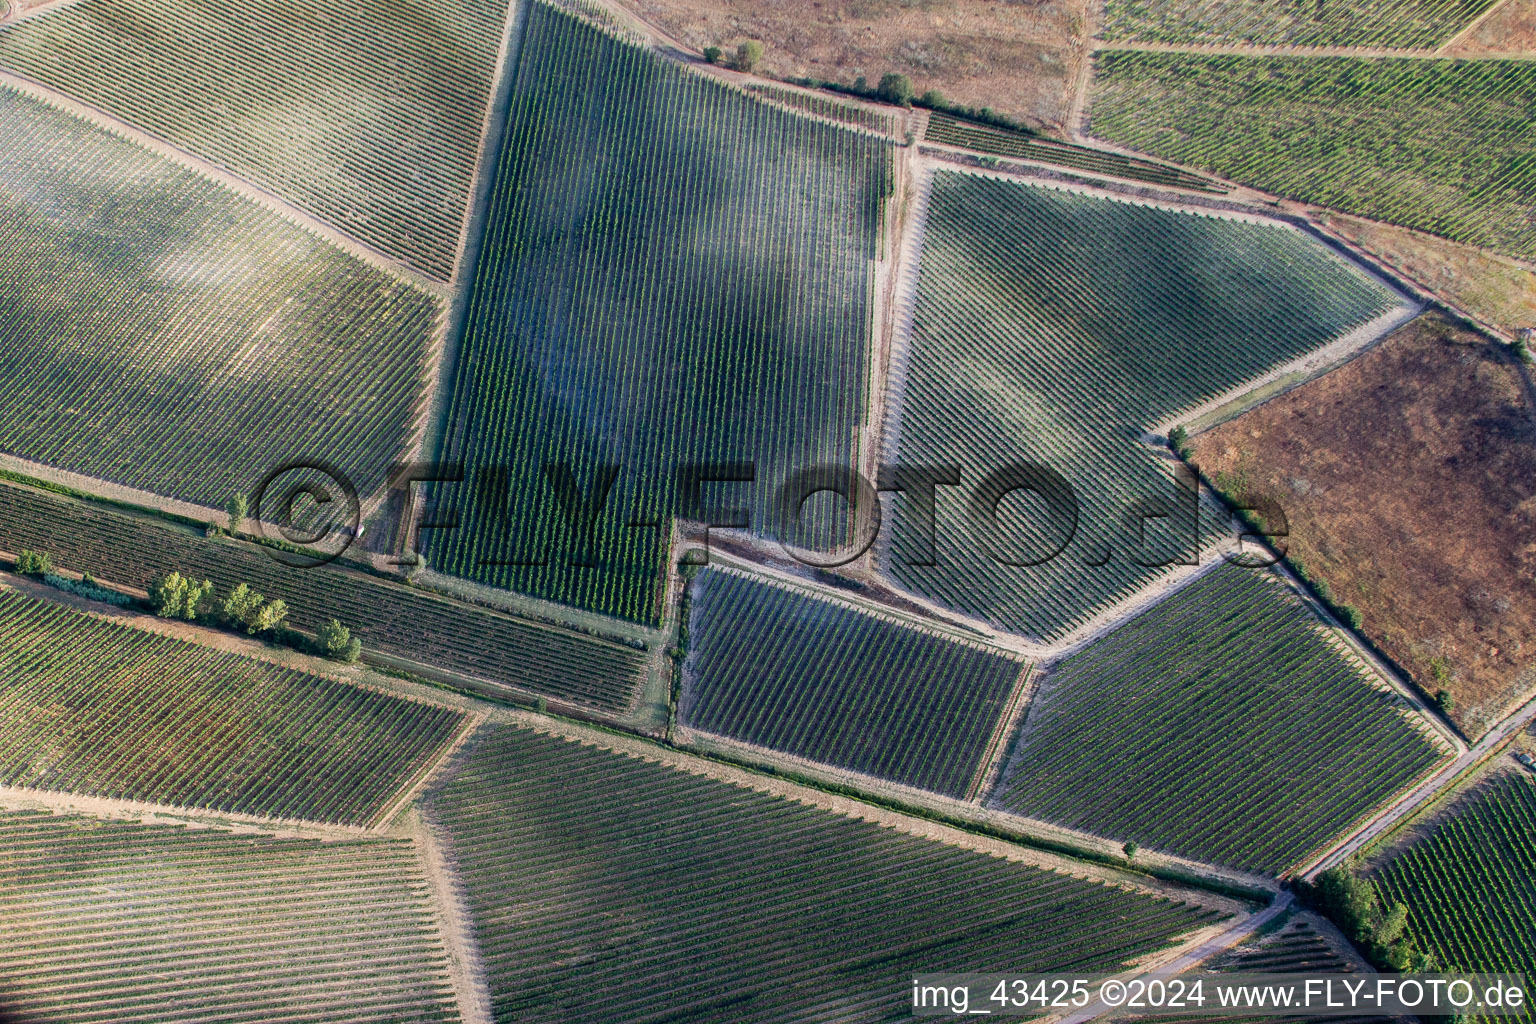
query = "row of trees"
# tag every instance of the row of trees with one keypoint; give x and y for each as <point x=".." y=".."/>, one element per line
<point x="1355" y="905"/>
<point x="893" y="87"/>
<point x="174" y="596"/>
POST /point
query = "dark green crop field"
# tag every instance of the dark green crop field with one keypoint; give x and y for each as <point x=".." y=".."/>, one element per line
<point x="604" y="887"/>
<point x="675" y="272"/>
<point x="1224" y="724"/>
<point x="1057" y="327"/>
<point x="819" y="680"/>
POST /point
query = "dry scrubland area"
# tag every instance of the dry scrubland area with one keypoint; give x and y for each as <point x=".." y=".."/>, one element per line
<point x="1409" y="480"/>
<point x="1017" y="58"/>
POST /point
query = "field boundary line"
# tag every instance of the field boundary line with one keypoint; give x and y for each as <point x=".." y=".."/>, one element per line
<point x="748" y="778"/>
<point x="1472" y="26"/>
<point x="1232" y="936"/>
<point x="1268" y="49"/>
<point x="152" y="813"/>
<point x="466" y="967"/>
<point x="944" y="623"/>
<point x="1309" y="365"/>
<point x="991" y="765"/>
<point x="242" y="187"/>
<point x="435" y="765"/>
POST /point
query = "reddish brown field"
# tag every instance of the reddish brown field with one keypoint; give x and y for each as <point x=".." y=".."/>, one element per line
<point x="1409" y="480"/>
<point x="1015" y="56"/>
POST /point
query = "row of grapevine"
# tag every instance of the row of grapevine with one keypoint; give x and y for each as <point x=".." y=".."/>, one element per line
<point x="94" y="707"/>
<point x="953" y="131"/>
<point x="883" y="122"/>
<point x="1056" y="327"/>
<point x="1224" y="724"/>
<point x="817" y="679"/>
<point x="164" y="333"/>
<point x="118" y="922"/>
<point x="1470" y="882"/>
<point x="604" y="887"/>
<point x="389" y="618"/>
<point x="1444" y="146"/>
<point x="366" y="114"/>
<point x="674" y="272"/>
<point x="1381" y="23"/>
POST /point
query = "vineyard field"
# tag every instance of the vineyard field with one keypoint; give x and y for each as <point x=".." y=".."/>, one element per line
<point x="1470" y="883"/>
<point x="97" y="708"/>
<point x="116" y="922"/>
<point x="1194" y="729"/>
<point x="954" y="131"/>
<point x="366" y="114"/>
<point x="817" y="679"/>
<point x="388" y="617"/>
<point x="1056" y="327"/>
<point x="675" y="273"/>
<point x="1408" y="24"/>
<point x="1444" y="146"/>
<point x="603" y="886"/>
<point x="162" y="332"/>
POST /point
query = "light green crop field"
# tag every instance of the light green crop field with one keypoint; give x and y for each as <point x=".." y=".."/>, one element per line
<point x="113" y="922"/>
<point x="1444" y="146"/>
<point x="367" y="114"/>
<point x="1057" y="327"/>
<point x="159" y="331"/>
<point x="1380" y="23"/>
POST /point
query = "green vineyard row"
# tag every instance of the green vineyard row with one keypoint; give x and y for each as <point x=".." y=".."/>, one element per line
<point x="605" y="887"/>
<point x="1223" y="724"/>
<point x="675" y="272"/>
<point x="388" y="617"/>
<point x="93" y="707"/>
<point x="816" y="679"/>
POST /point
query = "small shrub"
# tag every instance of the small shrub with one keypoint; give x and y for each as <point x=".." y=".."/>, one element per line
<point x="33" y="563"/>
<point x="1444" y="701"/>
<point x="1130" y="850"/>
<point x="1351" y="616"/>
<point x="748" y="54"/>
<point x="335" y="641"/>
<point x="712" y="54"/>
<point x="87" y="588"/>
<point x="896" y="88"/>
<point x="932" y="98"/>
<point x="1178" y="440"/>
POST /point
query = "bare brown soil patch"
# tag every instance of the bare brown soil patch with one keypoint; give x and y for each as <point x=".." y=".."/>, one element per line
<point x="1498" y="290"/>
<point x="1510" y="29"/>
<point x="1015" y="56"/>
<point x="1408" y="477"/>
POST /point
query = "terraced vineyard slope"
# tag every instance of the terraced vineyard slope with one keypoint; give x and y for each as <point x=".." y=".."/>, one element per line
<point x="367" y="114"/>
<point x="102" y="709"/>
<point x="814" y="678"/>
<point x="1056" y="327"/>
<point x="112" y="921"/>
<point x="390" y="618"/>
<point x="1388" y="23"/>
<point x="1194" y="729"/>
<point x="161" y="332"/>
<point x="676" y="273"/>
<point x="603" y="886"/>
<point x="1445" y="146"/>
<point x="1470" y="882"/>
